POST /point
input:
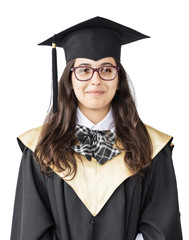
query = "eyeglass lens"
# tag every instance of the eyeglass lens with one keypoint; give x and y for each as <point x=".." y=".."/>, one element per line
<point x="106" y="73"/>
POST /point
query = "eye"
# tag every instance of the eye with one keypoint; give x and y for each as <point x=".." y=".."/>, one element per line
<point x="106" y="69"/>
<point x="83" y="70"/>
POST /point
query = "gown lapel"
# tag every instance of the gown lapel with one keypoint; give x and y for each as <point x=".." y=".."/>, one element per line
<point x="94" y="184"/>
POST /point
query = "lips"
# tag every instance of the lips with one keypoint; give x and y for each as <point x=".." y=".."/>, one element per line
<point x="95" y="92"/>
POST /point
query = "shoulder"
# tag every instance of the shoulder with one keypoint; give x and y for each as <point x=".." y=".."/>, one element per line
<point x="159" y="139"/>
<point x="30" y="138"/>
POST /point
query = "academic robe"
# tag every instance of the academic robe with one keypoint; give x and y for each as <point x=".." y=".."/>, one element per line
<point x="103" y="202"/>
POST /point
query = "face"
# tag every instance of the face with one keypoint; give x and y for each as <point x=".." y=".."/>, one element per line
<point x="95" y="93"/>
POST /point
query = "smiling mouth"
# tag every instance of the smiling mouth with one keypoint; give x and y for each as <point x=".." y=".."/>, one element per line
<point x="95" y="93"/>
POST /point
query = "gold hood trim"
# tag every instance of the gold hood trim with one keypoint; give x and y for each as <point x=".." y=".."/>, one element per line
<point x="87" y="183"/>
<point x="159" y="139"/>
<point x="30" y="138"/>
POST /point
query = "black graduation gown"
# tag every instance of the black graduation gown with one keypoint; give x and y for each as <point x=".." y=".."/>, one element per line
<point x="49" y="209"/>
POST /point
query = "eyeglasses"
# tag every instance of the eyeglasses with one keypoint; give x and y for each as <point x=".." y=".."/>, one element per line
<point x="106" y="73"/>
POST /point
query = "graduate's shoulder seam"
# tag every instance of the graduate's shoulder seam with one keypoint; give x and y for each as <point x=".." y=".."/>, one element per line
<point x="158" y="138"/>
<point x="30" y="137"/>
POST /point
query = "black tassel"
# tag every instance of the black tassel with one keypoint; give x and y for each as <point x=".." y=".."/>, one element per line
<point x="54" y="78"/>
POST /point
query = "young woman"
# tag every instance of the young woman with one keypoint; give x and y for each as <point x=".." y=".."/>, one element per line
<point x="94" y="170"/>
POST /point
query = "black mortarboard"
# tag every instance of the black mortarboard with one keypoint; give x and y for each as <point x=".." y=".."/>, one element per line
<point x="95" y="38"/>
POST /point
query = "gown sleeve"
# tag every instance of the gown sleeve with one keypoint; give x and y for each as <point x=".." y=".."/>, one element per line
<point x="32" y="218"/>
<point x="160" y="216"/>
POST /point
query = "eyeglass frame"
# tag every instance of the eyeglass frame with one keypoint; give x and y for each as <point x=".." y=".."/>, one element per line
<point x="95" y="70"/>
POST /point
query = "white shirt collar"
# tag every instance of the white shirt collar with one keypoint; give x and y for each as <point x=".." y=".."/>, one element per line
<point x="105" y="124"/>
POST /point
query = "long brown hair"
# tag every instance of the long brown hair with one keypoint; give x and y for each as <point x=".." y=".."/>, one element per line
<point x="58" y="131"/>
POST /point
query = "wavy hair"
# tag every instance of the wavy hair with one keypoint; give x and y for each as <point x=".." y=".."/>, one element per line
<point x="58" y="130"/>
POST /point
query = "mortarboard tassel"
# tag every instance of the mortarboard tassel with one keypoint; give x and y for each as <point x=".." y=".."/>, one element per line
<point x="54" y="77"/>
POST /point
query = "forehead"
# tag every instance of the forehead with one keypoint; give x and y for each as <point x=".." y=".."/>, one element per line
<point x="91" y="62"/>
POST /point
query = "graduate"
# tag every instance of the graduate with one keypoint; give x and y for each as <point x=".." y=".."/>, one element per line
<point x="94" y="170"/>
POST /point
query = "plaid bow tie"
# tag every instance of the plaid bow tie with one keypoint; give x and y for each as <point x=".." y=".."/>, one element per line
<point x="96" y="144"/>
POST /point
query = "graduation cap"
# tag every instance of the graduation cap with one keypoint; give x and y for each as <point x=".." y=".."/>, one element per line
<point x="95" y="38"/>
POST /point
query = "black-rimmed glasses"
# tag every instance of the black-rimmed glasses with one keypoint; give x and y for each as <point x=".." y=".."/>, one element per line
<point x="106" y="73"/>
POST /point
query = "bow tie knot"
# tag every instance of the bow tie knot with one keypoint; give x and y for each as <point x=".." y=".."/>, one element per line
<point x="95" y="143"/>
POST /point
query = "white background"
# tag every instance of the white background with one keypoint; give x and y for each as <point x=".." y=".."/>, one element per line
<point x="158" y="68"/>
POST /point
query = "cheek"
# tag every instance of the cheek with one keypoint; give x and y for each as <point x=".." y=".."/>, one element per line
<point x="113" y="88"/>
<point x="111" y="95"/>
<point x="78" y="88"/>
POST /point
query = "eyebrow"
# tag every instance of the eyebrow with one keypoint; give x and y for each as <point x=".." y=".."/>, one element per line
<point x="102" y="64"/>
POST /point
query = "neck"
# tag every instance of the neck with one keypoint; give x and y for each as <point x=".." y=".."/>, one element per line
<point x="95" y="115"/>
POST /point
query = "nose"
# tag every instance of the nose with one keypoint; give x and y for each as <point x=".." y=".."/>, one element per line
<point x="95" y="80"/>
